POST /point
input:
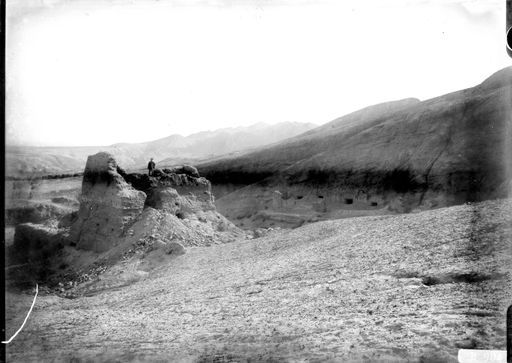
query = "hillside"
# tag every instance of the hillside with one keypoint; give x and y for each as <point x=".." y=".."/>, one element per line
<point x="413" y="287"/>
<point x="402" y="155"/>
<point x="171" y="150"/>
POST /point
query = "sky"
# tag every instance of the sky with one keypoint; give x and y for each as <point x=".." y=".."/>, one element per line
<point x="99" y="72"/>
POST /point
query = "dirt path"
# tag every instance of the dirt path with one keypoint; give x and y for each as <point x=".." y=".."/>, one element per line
<point x="385" y="288"/>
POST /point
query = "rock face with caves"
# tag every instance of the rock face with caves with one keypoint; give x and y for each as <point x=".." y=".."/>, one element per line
<point x="394" y="157"/>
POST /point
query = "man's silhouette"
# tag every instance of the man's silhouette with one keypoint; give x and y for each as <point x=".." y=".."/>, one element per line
<point x="151" y="167"/>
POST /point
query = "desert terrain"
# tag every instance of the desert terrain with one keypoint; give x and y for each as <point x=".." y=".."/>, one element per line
<point x="384" y="235"/>
<point x="413" y="287"/>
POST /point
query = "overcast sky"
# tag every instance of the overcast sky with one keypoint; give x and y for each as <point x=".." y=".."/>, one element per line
<point x="100" y="72"/>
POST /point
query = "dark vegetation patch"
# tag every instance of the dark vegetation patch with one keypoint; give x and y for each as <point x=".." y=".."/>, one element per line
<point x="374" y="204"/>
<point x="349" y="201"/>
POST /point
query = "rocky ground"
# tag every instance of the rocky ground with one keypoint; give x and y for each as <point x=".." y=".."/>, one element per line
<point x="411" y="287"/>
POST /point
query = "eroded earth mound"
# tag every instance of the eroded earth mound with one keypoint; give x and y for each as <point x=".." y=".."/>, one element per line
<point x="108" y="205"/>
<point x="121" y="217"/>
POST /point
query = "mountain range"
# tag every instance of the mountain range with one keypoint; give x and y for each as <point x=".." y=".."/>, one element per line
<point x="173" y="149"/>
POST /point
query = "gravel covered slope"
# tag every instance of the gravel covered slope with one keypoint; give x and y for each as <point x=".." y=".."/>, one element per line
<point x="411" y="287"/>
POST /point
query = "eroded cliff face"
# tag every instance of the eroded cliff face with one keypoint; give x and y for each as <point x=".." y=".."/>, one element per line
<point x="123" y="216"/>
<point x="108" y="204"/>
<point x="112" y="204"/>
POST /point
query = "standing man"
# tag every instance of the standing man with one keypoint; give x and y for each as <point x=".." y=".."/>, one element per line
<point x="151" y="167"/>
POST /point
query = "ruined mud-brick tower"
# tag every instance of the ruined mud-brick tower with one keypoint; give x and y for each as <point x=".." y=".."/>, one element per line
<point x="108" y="205"/>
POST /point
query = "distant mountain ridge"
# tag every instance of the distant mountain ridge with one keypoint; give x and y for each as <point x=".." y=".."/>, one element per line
<point x="173" y="149"/>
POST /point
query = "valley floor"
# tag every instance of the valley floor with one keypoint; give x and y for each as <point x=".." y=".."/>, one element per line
<point x="409" y="287"/>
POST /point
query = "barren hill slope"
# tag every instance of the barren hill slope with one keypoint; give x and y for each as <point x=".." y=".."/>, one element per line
<point x="442" y="151"/>
<point x="387" y="288"/>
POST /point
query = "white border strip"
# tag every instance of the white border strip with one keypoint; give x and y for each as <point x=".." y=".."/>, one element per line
<point x="482" y="356"/>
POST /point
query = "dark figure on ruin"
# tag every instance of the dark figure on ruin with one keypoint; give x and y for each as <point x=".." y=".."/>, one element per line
<point x="151" y="167"/>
